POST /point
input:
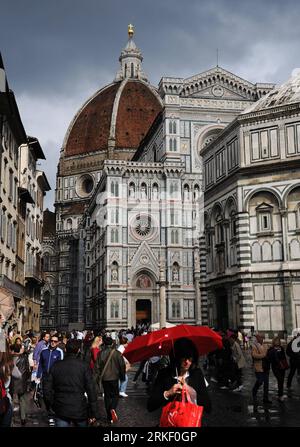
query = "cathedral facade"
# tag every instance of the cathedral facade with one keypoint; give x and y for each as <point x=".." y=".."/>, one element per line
<point x="132" y="204"/>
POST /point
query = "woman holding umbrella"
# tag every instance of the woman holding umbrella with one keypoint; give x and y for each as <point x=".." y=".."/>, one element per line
<point x="183" y="370"/>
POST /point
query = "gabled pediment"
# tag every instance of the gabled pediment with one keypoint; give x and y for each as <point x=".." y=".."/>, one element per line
<point x="218" y="82"/>
<point x="264" y="207"/>
<point x="218" y="91"/>
<point x="144" y="258"/>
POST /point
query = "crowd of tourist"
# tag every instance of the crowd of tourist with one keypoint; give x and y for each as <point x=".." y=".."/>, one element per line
<point x="70" y="375"/>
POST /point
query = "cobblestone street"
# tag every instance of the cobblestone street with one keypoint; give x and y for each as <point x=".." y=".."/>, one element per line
<point x="228" y="409"/>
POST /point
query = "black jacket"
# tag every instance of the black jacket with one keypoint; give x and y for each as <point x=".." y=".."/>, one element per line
<point x="275" y="355"/>
<point x="165" y="380"/>
<point x="64" y="389"/>
<point x="294" y="356"/>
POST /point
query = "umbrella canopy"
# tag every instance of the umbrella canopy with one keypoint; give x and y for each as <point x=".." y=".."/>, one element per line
<point x="7" y="304"/>
<point x="157" y="325"/>
<point x="161" y="342"/>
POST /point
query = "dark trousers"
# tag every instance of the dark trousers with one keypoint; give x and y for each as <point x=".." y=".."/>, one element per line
<point x="293" y="369"/>
<point x="238" y="375"/>
<point x="261" y="378"/>
<point x="6" y="418"/>
<point x="141" y="367"/>
<point x="111" y="396"/>
<point x="279" y="374"/>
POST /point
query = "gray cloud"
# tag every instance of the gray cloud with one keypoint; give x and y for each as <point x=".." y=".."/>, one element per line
<point x="57" y="53"/>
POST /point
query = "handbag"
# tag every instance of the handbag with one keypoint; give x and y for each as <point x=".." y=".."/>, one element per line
<point x="182" y="413"/>
<point x="283" y="364"/>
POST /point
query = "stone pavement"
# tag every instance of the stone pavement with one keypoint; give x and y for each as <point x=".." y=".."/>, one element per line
<point x="228" y="409"/>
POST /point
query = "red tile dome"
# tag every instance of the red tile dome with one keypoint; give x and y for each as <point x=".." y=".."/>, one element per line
<point x="123" y="111"/>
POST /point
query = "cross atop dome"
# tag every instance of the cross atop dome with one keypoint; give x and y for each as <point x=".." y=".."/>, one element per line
<point x="130" y="30"/>
<point x="131" y="60"/>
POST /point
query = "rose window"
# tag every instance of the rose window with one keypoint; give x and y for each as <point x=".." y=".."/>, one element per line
<point x="143" y="225"/>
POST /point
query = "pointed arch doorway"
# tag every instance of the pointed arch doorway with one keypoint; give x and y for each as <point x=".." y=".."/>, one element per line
<point x="143" y="311"/>
<point x="144" y="293"/>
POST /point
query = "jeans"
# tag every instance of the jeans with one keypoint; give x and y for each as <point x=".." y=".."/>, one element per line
<point x="6" y="419"/>
<point x="261" y="378"/>
<point x="68" y="422"/>
<point x="23" y="405"/>
<point x="123" y="385"/>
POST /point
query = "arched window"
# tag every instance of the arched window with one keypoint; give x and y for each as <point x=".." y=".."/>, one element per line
<point x="208" y="237"/>
<point x="114" y="189"/>
<point x="171" y="144"/>
<point x="174" y="144"/>
<point x="114" y="236"/>
<point x="125" y="73"/>
<point x="196" y="192"/>
<point x="46" y="298"/>
<point x="173" y="310"/>
<point x="170" y="127"/>
<point x="176" y="309"/>
<point x="46" y="262"/>
<point x="219" y="230"/>
<point x="174" y="127"/>
<point x="132" y="70"/>
<point x="114" y="309"/>
<point x="233" y="225"/>
<point x="69" y="224"/>
<point x="174" y="237"/>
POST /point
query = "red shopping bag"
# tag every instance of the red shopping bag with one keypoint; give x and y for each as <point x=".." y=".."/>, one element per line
<point x="182" y="413"/>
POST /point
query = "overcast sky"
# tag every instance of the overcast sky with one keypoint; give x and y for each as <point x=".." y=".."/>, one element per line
<point x="57" y="53"/>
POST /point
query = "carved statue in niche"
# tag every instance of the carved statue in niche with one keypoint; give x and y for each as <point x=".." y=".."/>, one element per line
<point x="131" y="191"/>
<point x="155" y="192"/>
<point x="143" y="191"/>
<point x="143" y="282"/>
<point x="175" y="273"/>
<point x="114" y="273"/>
<point x="186" y="193"/>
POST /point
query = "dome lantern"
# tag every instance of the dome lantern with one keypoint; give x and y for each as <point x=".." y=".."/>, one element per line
<point x="131" y="60"/>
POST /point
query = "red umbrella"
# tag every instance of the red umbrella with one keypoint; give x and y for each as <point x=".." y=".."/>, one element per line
<point x="161" y="342"/>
